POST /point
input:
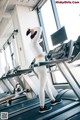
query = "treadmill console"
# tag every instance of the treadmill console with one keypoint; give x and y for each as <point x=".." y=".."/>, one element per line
<point x="76" y="48"/>
<point x="62" y="51"/>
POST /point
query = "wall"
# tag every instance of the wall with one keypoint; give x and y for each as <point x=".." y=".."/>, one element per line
<point x="27" y="19"/>
<point x="23" y="18"/>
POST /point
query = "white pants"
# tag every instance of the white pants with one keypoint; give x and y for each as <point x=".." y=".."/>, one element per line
<point x="44" y="82"/>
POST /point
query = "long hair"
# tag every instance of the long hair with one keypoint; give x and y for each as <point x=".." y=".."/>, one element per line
<point x="33" y="35"/>
<point x="28" y="32"/>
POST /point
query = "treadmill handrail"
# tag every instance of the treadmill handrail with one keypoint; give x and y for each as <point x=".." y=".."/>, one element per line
<point x="19" y="72"/>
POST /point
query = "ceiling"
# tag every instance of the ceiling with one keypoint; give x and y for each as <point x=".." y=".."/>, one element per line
<point x="6" y="6"/>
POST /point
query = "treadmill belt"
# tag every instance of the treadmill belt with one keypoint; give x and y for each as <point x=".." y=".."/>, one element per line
<point x="14" y="101"/>
<point x="20" y="105"/>
<point x="19" y="99"/>
<point x="69" y="114"/>
<point x="33" y="114"/>
<point x="75" y="117"/>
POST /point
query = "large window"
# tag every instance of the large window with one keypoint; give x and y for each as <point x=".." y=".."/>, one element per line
<point x="1" y="91"/>
<point x="50" y="27"/>
<point x="69" y="15"/>
<point x="49" y="21"/>
<point x="3" y="62"/>
<point x="8" y="56"/>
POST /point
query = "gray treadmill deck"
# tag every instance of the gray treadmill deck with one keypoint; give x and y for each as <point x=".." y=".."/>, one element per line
<point x="33" y="114"/>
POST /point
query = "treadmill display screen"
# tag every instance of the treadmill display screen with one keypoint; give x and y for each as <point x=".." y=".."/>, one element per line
<point x="59" y="36"/>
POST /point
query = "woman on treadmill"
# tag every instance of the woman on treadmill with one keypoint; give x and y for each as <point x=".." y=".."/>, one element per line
<point x="35" y="35"/>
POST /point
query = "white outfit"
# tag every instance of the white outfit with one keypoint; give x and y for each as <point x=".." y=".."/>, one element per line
<point x="35" y="47"/>
<point x="41" y="71"/>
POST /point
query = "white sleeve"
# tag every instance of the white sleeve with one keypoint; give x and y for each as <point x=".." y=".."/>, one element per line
<point x="39" y="32"/>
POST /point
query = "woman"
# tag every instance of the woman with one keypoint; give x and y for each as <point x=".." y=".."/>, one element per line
<point x="35" y="35"/>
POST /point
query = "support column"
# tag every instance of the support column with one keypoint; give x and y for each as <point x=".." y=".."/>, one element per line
<point x="23" y="18"/>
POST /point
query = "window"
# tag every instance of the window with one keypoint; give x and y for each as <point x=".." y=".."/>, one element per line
<point x="59" y="77"/>
<point x="8" y="56"/>
<point x="1" y="91"/>
<point x="3" y="62"/>
<point x="69" y="15"/>
<point x="12" y="50"/>
<point x="49" y="21"/>
<point x="50" y="28"/>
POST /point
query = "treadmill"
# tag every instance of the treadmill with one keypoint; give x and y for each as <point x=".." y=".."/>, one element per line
<point x="64" y="110"/>
<point x="7" y="98"/>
